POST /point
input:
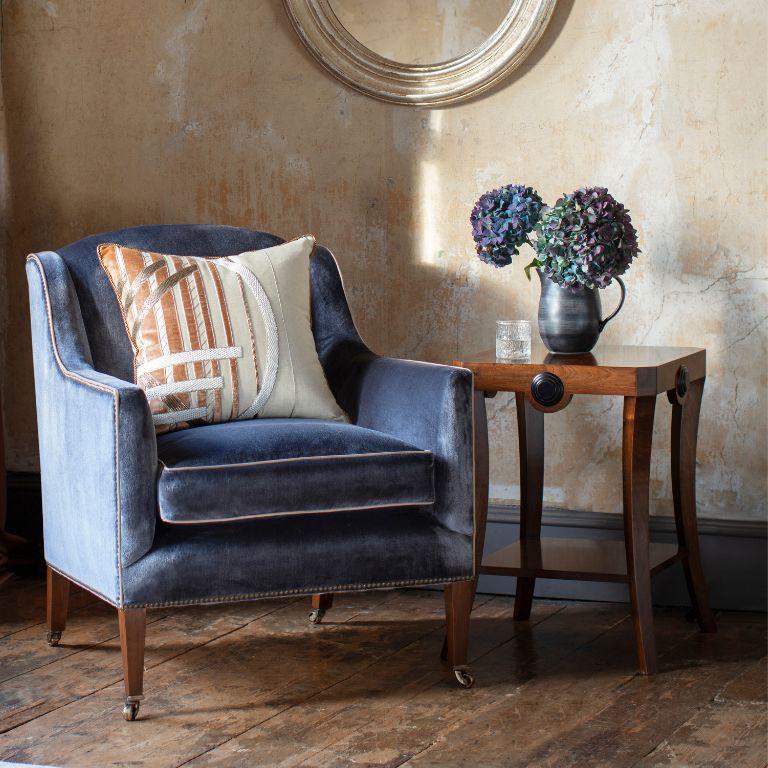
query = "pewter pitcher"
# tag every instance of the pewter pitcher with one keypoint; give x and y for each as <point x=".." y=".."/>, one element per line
<point x="570" y="320"/>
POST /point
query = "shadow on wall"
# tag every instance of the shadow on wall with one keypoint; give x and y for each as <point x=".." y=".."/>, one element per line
<point x="552" y="32"/>
<point x="172" y="131"/>
<point x="214" y="112"/>
<point x="440" y="312"/>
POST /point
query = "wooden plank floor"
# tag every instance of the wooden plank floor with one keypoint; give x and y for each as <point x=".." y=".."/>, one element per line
<point x="257" y="685"/>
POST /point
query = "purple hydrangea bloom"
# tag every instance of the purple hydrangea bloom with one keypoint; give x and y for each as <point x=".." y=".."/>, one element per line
<point x="585" y="239"/>
<point x="501" y="221"/>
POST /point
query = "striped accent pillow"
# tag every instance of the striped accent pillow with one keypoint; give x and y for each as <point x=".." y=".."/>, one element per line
<point x="219" y="339"/>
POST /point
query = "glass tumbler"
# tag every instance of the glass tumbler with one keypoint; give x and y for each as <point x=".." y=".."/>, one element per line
<point x="513" y="339"/>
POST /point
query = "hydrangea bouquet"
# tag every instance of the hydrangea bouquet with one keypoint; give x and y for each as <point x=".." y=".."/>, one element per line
<point x="585" y="239"/>
<point x="502" y="220"/>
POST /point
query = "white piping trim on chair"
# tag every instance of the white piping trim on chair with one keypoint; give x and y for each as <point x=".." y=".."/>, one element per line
<point x="288" y="459"/>
<point x="116" y="416"/>
<point x="292" y="513"/>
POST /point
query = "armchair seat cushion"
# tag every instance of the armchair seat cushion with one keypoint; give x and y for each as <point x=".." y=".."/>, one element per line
<point x="269" y="467"/>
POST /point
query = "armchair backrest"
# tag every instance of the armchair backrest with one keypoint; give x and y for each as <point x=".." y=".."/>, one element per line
<point x="110" y="348"/>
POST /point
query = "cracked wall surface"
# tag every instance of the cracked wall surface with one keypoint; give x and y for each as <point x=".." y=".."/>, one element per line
<point x="210" y="111"/>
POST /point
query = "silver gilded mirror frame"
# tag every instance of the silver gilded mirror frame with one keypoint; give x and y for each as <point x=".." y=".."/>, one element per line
<point x="419" y="84"/>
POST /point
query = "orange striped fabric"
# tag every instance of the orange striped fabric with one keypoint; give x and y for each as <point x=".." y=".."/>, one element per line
<point x="193" y="323"/>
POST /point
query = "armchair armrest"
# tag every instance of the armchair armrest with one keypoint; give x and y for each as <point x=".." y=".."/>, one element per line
<point x="98" y="453"/>
<point x="429" y="406"/>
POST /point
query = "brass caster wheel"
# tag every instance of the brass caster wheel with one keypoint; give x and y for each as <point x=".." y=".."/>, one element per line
<point x="131" y="710"/>
<point x="463" y="678"/>
<point x="53" y="638"/>
<point x="316" y="615"/>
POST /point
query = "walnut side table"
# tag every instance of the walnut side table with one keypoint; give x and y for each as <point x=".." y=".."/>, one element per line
<point x="546" y="384"/>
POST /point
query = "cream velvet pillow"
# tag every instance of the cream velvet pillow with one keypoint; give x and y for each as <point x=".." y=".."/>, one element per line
<point x="219" y="339"/>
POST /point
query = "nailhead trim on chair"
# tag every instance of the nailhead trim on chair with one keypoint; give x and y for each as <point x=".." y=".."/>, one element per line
<point x="258" y="595"/>
<point x="304" y="591"/>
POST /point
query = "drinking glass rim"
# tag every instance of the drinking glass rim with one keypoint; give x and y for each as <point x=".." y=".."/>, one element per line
<point x="513" y="322"/>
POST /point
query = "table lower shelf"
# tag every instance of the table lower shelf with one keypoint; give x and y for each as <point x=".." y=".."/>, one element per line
<point x="578" y="559"/>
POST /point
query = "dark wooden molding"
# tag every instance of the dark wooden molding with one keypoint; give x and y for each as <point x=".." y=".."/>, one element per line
<point x="734" y="553"/>
<point x="558" y="517"/>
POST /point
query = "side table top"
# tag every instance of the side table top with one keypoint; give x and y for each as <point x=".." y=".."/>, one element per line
<point x="610" y="370"/>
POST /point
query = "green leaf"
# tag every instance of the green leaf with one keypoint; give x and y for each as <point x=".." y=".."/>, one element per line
<point x="535" y="264"/>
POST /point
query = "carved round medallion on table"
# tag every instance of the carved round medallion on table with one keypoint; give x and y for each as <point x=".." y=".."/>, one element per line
<point x="677" y="395"/>
<point x="547" y="389"/>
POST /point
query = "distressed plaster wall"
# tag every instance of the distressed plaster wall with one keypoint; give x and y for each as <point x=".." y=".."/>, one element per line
<point x="209" y="110"/>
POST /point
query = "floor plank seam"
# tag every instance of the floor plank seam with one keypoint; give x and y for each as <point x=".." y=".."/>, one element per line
<point x="557" y="662"/>
<point x="434" y="683"/>
<point x="322" y="690"/>
<point x="119" y="678"/>
<point x="35" y="623"/>
<point x="721" y="702"/>
<point x="330" y="745"/>
<point x="74" y="652"/>
<point x="684" y="640"/>
<point x="368" y="689"/>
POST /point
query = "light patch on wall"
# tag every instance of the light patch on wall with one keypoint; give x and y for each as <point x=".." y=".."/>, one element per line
<point x="194" y="128"/>
<point x="457" y="39"/>
<point x="429" y="197"/>
<point x="296" y="165"/>
<point x="487" y="178"/>
<point x="173" y="70"/>
<point x="663" y="103"/>
<point x="49" y="7"/>
<point x="653" y="199"/>
<point x="504" y="493"/>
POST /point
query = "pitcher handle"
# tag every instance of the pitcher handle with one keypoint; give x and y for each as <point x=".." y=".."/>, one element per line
<point x="615" y="312"/>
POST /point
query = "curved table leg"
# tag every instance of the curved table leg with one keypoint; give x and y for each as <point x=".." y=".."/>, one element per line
<point x="530" y="431"/>
<point x="685" y="427"/>
<point x="636" y="461"/>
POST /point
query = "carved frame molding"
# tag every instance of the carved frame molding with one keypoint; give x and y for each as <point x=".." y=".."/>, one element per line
<point x="448" y="82"/>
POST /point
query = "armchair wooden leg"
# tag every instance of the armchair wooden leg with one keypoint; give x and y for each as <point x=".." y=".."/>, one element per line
<point x="133" y="624"/>
<point x="320" y="604"/>
<point x="57" y="602"/>
<point x="458" y="607"/>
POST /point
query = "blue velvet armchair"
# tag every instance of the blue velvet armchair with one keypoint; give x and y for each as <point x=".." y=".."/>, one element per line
<point x="390" y="504"/>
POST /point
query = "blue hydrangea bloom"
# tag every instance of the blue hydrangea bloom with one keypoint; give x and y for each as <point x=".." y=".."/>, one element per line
<point x="501" y="221"/>
<point x="585" y="239"/>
